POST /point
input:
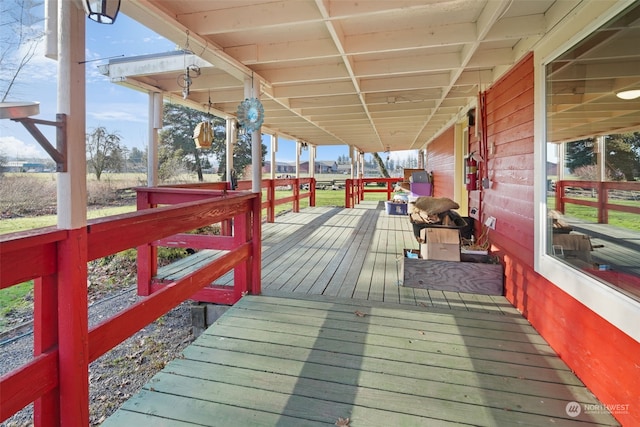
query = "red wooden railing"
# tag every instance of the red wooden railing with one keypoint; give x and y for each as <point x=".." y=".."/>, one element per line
<point x="56" y="379"/>
<point x="355" y="189"/>
<point x="601" y="191"/>
<point x="271" y="185"/>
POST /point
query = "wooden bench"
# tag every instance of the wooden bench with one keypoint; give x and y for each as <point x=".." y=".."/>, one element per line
<point x="187" y="265"/>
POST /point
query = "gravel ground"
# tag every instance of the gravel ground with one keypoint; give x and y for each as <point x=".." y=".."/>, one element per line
<point x="120" y="373"/>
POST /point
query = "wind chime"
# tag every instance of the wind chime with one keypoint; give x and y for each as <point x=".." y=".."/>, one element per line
<point x="250" y="113"/>
<point x="191" y="72"/>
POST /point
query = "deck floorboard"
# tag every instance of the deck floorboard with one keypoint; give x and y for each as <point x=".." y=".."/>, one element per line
<point x="273" y="361"/>
<point x="335" y="335"/>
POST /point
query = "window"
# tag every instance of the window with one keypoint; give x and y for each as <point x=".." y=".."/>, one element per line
<point x="592" y="113"/>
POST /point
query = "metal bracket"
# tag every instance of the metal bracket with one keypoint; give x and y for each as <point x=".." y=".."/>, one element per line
<point x="58" y="153"/>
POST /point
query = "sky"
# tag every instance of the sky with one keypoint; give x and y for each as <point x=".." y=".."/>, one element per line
<point x="118" y="109"/>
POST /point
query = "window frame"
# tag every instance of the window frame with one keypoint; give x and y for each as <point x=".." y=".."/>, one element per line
<point x="614" y="306"/>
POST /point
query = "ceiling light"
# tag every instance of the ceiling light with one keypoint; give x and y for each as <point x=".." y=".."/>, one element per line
<point x="629" y="94"/>
<point x="102" y="11"/>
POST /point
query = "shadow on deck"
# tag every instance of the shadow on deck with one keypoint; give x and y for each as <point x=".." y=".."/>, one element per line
<point x="335" y="337"/>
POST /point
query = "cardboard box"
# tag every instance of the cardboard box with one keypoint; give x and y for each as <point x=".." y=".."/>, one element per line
<point x="441" y="244"/>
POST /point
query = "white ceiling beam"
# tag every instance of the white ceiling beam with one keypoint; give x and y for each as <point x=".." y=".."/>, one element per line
<point x="282" y="52"/>
<point x="407" y="65"/>
<point x="312" y="90"/>
<point x="415" y="38"/>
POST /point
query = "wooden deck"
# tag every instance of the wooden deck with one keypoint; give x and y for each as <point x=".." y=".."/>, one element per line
<point x="616" y="248"/>
<point x="335" y="336"/>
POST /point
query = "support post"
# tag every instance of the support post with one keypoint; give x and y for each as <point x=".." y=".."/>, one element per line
<point x="230" y="142"/>
<point x="73" y="345"/>
<point x="155" y="123"/>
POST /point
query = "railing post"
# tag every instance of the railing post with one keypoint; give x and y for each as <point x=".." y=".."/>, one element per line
<point x="73" y="330"/>
<point x="603" y="199"/>
<point x="255" y="283"/>
<point x="347" y="193"/>
<point x="46" y="409"/>
<point x="296" y="195"/>
<point x="242" y="272"/>
<point x="312" y="190"/>
<point x="559" y="196"/>
<point x="388" y="188"/>
<point x="271" y="200"/>
<point x="147" y="255"/>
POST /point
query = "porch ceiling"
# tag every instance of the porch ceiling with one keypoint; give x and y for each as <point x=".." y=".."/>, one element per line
<point x="379" y="75"/>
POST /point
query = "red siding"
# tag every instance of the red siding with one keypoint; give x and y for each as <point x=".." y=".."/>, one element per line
<point x="440" y="160"/>
<point x="604" y="358"/>
<point x="509" y="157"/>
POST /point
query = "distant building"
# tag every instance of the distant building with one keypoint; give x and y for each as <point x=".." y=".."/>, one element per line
<point x="22" y="166"/>
<point x="286" y="168"/>
<point x="326" y="166"/>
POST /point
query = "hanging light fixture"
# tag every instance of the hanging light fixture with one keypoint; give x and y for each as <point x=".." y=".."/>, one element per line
<point x="102" y="11"/>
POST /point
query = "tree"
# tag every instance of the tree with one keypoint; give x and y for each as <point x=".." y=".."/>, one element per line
<point x="19" y="38"/>
<point x="381" y="166"/>
<point x="580" y="153"/>
<point x="622" y="155"/>
<point x="104" y="151"/>
<point x="3" y="161"/>
<point x="241" y="154"/>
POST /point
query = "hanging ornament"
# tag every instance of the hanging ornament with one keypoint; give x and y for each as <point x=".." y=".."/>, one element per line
<point x="250" y="114"/>
<point x="203" y="135"/>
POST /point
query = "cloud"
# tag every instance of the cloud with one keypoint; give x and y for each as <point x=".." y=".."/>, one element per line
<point x="115" y="113"/>
<point x="15" y="148"/>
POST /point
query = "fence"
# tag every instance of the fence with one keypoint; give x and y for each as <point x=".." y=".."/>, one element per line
<point x="602" y="191"/>
<point x="56" y="378"/>
<point x="355" y="189"/>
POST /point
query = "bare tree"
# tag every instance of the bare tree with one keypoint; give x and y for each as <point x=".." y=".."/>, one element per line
<point x="104" y="151"/>
<point x="19" y="39"/>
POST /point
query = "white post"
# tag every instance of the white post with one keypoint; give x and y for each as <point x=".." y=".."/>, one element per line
<point x="155" y="123"/>
<point x="353" y="164"/>
<point x="252" y="90"/>
<point x="231" y="139"/>
<point x="601" y="157"/>
<point x="274" y="150"/>
<point x="562" y="160"/>
<point x="72" y="184"/>
<point x="298" y="151"/>
<point x="312" y="161"/>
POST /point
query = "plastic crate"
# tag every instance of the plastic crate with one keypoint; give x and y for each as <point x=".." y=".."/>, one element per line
<point x="396" y="208"/>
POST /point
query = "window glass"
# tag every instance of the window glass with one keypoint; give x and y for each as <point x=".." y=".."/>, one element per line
<point x="593" y="154"/>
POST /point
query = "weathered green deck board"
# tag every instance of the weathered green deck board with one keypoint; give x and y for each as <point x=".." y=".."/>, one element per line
<point x="184" y="266"/>
<point x="342" y="309"/>
<point x="350" y="253"/>
<point x="333" y="280"/>
<point x="277" y="361"/>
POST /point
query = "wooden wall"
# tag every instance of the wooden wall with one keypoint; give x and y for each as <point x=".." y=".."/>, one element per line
<point x="604" y="358"/>
<point x="440" y="161"/>
<point x="509" y="161"/>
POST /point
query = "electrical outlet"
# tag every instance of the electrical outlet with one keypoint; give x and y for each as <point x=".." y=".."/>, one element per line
<point x="490" y="222"/>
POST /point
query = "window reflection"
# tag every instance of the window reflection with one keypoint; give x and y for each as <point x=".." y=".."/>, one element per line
<point x="593" y="154"/>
